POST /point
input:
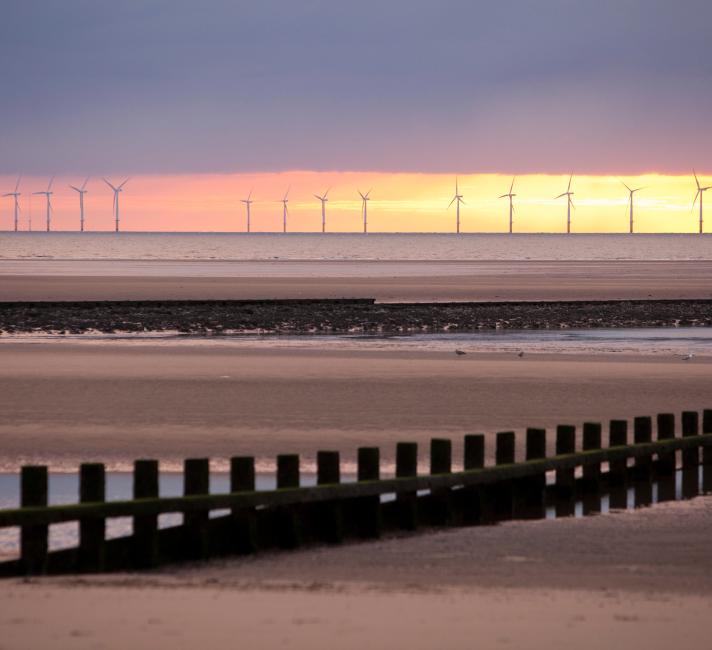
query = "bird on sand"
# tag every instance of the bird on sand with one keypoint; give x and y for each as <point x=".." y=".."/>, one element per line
<point x="520" y="354"/>
<point x="687" y="357"/>
<point x="459" y="353"/>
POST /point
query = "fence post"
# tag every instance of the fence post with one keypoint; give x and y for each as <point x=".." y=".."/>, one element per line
<point x="407" y="502"/>
<point x="196" y="480"/>
<point x="690" y="457"/>
<point x="500" y="495"/>
<point x="707" y="452"/>
<point x="242" y="479"/>
<point x="529" y="492"/>
<point x="145" y="550"/>
<point x="591" y="472"/>
<point x="440" y="500"/>
<point x="368" y="509"/>
<point x="666" y="464"/>
<point x="565" y="478"/>
<point x="470" y="499"/>
<point x="92" y="548"/>
<point x="330" y="523"/>
<point x="643" y="433"/>
<point x="289" y="534"/>
<point x="33" y="538"/>
<point x="618" y="469"/>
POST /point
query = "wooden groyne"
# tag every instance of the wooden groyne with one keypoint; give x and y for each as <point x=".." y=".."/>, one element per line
<point x="648" y="452"/>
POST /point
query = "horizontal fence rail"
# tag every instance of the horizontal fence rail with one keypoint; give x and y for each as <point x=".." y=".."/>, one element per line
<point x="331" y="511"/>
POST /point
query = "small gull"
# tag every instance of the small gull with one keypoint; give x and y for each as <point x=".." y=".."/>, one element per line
<point x="460" y="352"/>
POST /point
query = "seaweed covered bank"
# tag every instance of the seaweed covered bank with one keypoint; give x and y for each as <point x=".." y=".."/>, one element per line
<point x="340" y="316"/>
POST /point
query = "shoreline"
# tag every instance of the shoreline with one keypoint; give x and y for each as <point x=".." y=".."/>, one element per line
<point x="340" y="316"/>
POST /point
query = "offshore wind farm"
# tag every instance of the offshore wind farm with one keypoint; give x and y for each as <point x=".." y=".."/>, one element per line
<point x="389" y="209"/>
<point x="355" y="325"/>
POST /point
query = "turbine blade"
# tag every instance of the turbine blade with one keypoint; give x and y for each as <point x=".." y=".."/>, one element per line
<point x="124" y="183"/>
<point x="51" y="180"/>
<point x="504" y="196"/>
<point x="453" y="201"/>
<point x="286" y="194"/>
<point x="109" y="184"/>
<point x="19" y="178"/>
<point x="695" y="201"/>
<point x="327" y="193"/>
<point x="626" y="187"/>
<point x="76" y="189"/>
<point x="511" y="187"/>
<point x="560" y="195"/>
<point x="86" y="180"/>
<point x="568" y="189"/>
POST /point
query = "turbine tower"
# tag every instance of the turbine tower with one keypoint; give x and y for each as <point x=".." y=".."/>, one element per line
<point x="81" y="191"/>
<point x="116" y="201"/>
<point x="458" y="198"/>
<point x="569" y="204"/>
<point x="364" y="209"/>
<point x="285" y="211"/>
<point x="510" y="196"/>
<point x="48" y="194"/>
<point x="15" y="195"/>
<point x="248" y="202"/>
<point x="700" y="191"/>
<point x="323" y="200"/>
<point x="630" y="203"/>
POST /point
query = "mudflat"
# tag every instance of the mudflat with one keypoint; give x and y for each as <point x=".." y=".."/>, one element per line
<point x="116" y="401"/>
<point x="386" y="281"/>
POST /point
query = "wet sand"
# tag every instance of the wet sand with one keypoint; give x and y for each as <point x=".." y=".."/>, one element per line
<point x="114" y="402"/>
<point x="638" y="580"/>
<point x="385" y="281"/>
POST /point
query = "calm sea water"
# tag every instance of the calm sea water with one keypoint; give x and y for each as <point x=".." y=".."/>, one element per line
<point x="298" y="246"/>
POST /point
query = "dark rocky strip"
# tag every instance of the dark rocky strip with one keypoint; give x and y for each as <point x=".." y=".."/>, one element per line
<point x="325" y="316"/>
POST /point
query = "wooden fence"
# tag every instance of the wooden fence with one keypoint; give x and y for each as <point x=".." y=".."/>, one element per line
<point x="330" y="512"/>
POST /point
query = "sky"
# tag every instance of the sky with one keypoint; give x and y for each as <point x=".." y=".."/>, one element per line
<point x="250" y="92"/>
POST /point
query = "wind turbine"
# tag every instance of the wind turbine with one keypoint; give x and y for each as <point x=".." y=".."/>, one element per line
<point x="81" y="192"/>
<point x="510" y="196"/>
<point x="285" y="211"/>
<point x="364" y="209"/>
<point x="458" y="198"/>
<point x="630" y="202"/>
<point x="48" y="194"/>
<point x="323" y="200"/>
<point x="700" y="192"/>
<point x="569" y="203"/>
<point x="15" y="195"/>
<point x="248" y="202"/>
<point x="116" y="201"/>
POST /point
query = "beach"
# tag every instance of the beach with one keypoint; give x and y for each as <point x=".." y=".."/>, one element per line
<point x="571" y="582"/>
<point x="117" y="401"/>
<point x="386" y="281"/>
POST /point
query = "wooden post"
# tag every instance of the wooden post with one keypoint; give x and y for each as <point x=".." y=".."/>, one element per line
<point x="289" y="533"/>
<point x="242" y="479"/>
<point x="690" y="457"/>
<point x="529" y="492"/>
<point x="501" y="494"/>
<point x="440" y="463"/>
<point x="565" y="478"/>
<point x="196" y="480"/>
<point x="329" y="524"/>
<point x="368" y="510"/>
<point x="34" y="538"/>
<point x="618" y="469"/>
<point x="92" y="549"/>
<point x="643" y="433"/>
<point x="591" y="472"/>
<point x="144" y="548"/>
<point x="406" y="466"/>
<point x="666" y="465"/>
<point x="470" y="499"/>
<point x="707" y="453"/>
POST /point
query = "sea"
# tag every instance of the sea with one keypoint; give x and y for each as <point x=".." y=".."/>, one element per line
<point x="73" y="246"/>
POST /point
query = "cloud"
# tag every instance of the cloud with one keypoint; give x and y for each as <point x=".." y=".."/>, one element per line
<point x="174" y="86"/>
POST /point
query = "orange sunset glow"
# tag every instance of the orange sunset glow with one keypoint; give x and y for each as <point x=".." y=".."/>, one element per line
<point x="399" y="202"/>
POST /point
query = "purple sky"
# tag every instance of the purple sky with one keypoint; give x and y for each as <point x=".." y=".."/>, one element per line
<point x="163" y="86"/>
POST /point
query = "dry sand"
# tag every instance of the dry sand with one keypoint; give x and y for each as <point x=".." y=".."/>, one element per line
<point x="636" y="580"/>
<point x="385" y="281"/>
<point x="114" y="402"/>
